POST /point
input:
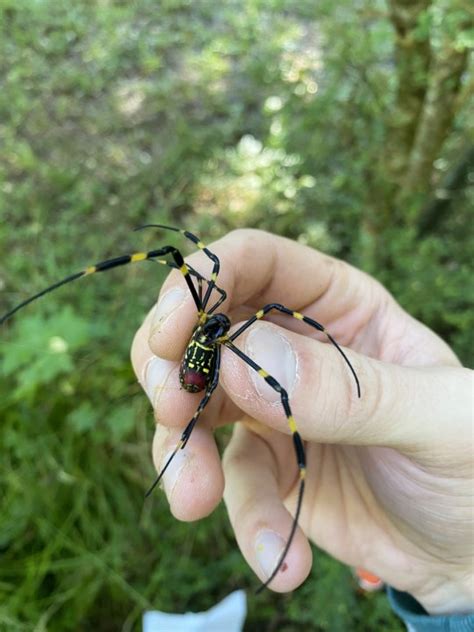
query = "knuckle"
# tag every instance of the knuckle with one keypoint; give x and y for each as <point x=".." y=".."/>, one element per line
<point x="242" y="234"/>
<point x="247" y="240"/>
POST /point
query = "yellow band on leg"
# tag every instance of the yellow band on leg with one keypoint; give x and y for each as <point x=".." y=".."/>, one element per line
<point x="138" y="256"/>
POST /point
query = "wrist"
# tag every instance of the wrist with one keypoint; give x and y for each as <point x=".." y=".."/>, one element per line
<point x="446" y="595"/>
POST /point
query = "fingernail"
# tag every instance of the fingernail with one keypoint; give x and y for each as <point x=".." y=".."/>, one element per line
<point x="166" y="306"/>
<point x="174" y="470"/>
<point x="155" y="375"/>
<point x="274" y="354"/>
<point x="269" y="548"/>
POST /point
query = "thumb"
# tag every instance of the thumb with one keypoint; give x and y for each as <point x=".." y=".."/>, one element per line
<point x="400" y="407"/>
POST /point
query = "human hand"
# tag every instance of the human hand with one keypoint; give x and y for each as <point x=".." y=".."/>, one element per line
<point x="389" y="483"/>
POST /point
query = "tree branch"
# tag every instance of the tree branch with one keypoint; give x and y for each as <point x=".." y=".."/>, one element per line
<point x="412" y="56"/>
<point x="455" y="181"/>
<point x="436" y="118"/>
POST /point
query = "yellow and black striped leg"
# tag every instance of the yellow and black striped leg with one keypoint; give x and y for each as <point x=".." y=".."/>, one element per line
<point x="108" y="264"/>
<point x="309" y="321"/>
<point x="199" y="282"/>
<point x="223" y="293"/>
<point x="220" y="300"/>
<point x="190" y="427"/>
<point x="299" y="450"/>
<point x="214" y="258"/>
<point x="194" y="273"/>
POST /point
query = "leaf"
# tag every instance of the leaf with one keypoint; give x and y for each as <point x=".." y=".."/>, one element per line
<point x="83" y="419"/>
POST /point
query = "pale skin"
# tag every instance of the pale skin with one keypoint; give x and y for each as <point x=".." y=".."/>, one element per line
<point x="390" y="475"/>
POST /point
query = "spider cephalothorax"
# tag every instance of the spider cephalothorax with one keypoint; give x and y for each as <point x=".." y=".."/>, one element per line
<point x="199" y="369"/>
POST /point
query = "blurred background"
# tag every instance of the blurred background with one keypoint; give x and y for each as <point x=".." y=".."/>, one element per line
<point x="344" y="125"/>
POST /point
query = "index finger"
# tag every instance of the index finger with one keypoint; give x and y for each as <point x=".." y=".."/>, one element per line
<point x="258" y="268"/>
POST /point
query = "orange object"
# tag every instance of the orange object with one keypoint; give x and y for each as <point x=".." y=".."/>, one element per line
<point x="368" y="581"/>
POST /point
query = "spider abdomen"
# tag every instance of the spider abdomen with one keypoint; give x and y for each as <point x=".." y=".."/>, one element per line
<point x="197" y="367"/>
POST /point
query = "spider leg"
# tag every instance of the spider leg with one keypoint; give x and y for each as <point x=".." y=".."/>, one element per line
<point x="108" y="264"/>
<point x="190" y="427"/>
<point x="220" y="300"/>
<point x="223" y="293"/>
<point x="309" y="321"/>
<point x="214" y="258"/>
<point x="200" y="279"/>
<point x="298" y="445"/>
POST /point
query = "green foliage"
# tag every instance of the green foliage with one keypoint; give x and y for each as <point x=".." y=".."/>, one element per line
<point x="266" y="113"/>
<point x="46" y="351"/>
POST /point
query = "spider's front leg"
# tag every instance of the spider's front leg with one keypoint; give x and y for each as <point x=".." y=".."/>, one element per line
<point x="109" y="264"/>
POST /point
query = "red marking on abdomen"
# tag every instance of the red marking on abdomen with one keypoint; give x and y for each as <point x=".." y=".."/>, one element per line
<point x="193" y="381"/>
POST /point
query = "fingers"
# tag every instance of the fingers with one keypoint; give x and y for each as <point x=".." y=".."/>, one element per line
<point x="193" y="482"/>
<point x="173" y="319"/>
<point x="399" y="406"/>
<point x="258" y="268"/>
<point x="259" y="519"/>
<point x="160" y="381"/>
<point x="172" y="405"/>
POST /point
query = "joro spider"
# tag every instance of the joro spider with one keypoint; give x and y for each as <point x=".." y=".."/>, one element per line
<point x="199" y="370"/>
